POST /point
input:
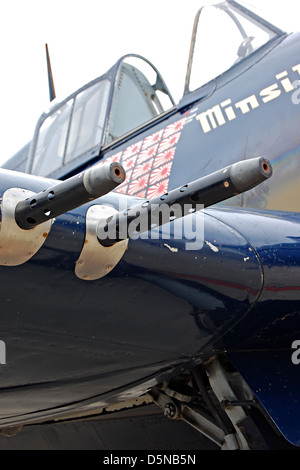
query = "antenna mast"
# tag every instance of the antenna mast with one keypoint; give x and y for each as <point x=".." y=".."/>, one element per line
<point x="50" y="76"/>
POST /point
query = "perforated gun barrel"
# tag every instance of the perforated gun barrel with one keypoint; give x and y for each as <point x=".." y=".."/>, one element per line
<point x="94" y="182"/>
<point x="211" y="189"/>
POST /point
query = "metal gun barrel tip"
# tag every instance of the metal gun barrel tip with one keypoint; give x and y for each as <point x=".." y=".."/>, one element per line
<point x="266" y="167"/>
<point x="117" y="172"/>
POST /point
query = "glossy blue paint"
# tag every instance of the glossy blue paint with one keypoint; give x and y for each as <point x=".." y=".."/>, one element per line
<point x="261" y="345"/>
<point x="274" y="322"/>
<point x="274" y="379"/>
<point x="43" y="323"/>
<point x="164" y="308"/>
<point x="214" y="294"/>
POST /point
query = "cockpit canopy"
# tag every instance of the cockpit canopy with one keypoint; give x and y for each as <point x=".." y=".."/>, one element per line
<point x="223" y="35"/>
<point x="132" y="92"/>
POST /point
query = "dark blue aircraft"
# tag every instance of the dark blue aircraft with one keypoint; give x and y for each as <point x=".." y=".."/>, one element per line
<point x="150" y="251"/>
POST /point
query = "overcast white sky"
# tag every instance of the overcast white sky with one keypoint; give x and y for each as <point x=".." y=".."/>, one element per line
<point x="85" y="39"/>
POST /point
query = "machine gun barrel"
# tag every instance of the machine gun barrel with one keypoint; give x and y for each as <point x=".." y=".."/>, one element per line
<point x="210" y="189"/>
<point x="94" y="182"/>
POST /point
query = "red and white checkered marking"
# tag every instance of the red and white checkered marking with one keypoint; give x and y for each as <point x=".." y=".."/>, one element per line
<point x="160" y="173"/>
<point x="148" y="162"/>
<point x="140" y="170"/>
<point x="157" y="189"/>
<point x="175" y="127"/>
<point x="132" y="150"/>
<point x="150" y="152"/>
<point x="169" y="142"/>
<point x="138" y="184"/>
<point x="152" y="139"/>
<point x="164" y="157"/>
<point x="129" y="163"/>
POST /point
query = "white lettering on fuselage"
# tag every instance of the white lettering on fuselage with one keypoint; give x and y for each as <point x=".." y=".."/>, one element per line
<point x="226" y="111"/>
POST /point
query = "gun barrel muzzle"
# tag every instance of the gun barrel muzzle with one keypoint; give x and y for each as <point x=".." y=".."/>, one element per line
<point x="211" y="189"/>
<point x="64" y="196"/>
